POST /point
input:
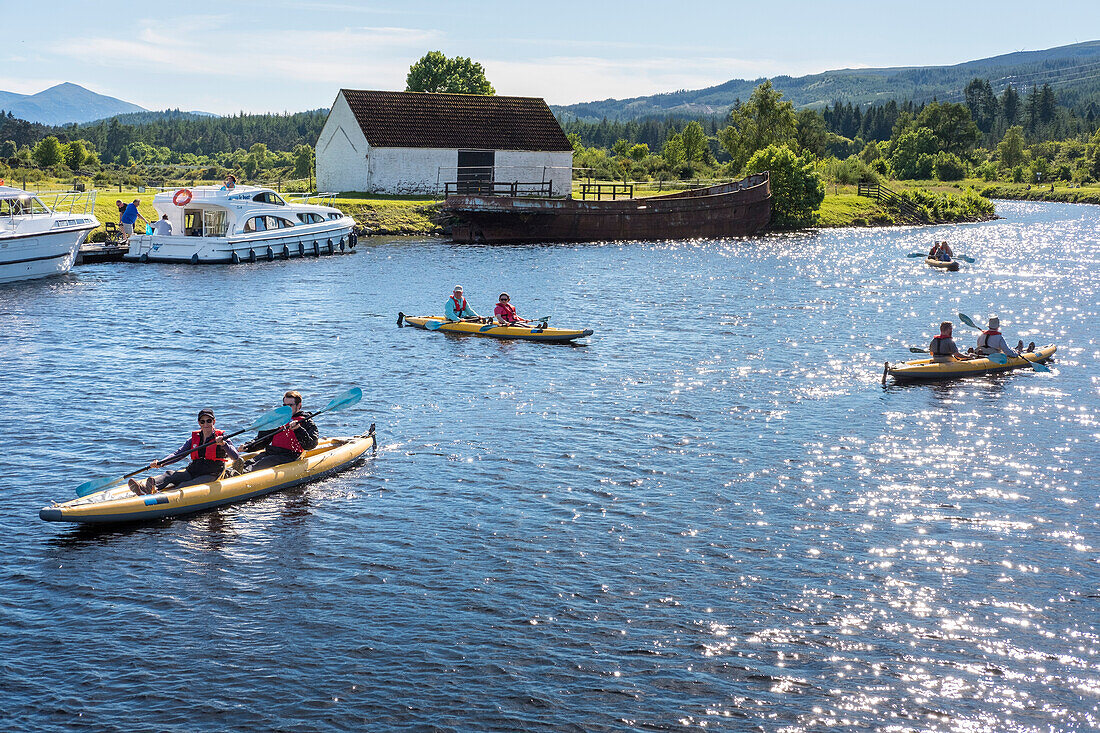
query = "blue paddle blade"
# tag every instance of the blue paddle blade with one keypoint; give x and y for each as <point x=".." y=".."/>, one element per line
<point x="486" y="327"/>
<point x="969" y="321"/>
<point x="964" y="258"/>
<point x="433" y="325"/>
<point x="275" y="418"/>
<point x="997" y="358"/>
<point x="90" y="487"/>
<point x="917" y="254"/>
<point x="344" y="399"/>
<point x="1038" y="367"/>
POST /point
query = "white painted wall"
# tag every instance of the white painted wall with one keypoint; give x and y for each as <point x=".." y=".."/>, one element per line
<point x="342" y="151"/>
<point x="347" y="162"/>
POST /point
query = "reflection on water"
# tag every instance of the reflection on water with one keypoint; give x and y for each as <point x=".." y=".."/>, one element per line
<point x="712" y="514"/>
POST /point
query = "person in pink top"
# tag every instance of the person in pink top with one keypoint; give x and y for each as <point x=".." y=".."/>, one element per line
<point x="505" y="312"/>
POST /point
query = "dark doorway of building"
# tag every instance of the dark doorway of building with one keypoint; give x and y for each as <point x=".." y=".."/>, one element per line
<point x="475" y="171"/>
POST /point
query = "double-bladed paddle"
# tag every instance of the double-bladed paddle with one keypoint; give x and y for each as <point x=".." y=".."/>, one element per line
<point x="997" y="357"/>
<point x="532" y="323"/>
<point x="278" y="416"/>
<point x="925" y="255"/>
<point x="339" y="402"/>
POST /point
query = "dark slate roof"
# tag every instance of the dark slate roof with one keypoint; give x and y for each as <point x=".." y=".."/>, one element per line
<point x="466" y="121"/>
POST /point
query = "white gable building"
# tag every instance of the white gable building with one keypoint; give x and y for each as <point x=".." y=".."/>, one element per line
<point x="417" y="142"/>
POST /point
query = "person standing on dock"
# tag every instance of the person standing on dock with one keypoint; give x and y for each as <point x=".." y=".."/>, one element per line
<point x="457" y="309"/>
<point x="129" y="218"/>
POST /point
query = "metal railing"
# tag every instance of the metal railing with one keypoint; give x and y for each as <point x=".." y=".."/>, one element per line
<point x="611" y="191"/>
<point x="884" y="195"/>
<point x="514" y="189"/>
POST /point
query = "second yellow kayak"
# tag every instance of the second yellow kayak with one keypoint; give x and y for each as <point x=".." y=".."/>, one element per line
<point x="526" y="333"/>
<point x="923" y="370"/>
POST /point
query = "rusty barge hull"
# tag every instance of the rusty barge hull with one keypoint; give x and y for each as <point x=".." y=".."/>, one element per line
<point x="737" y="209"/>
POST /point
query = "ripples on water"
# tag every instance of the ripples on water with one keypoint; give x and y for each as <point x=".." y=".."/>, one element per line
<point x="710" y="515"/>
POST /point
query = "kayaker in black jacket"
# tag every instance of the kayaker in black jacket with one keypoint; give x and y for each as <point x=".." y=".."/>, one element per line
<point x="287" y="443"/>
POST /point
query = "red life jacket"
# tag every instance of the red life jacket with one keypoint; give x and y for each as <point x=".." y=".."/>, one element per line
<point x="286" y="438"/>
<point x="509" y="311"/>
<point x="936" y="341"/>
<point x="459" y="310"/>
<point x="984" y="342"/>
<point x="212" y="452"/>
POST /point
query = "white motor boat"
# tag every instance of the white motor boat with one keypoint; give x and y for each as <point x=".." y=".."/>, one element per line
<point x="37" y="240"/>
<point x="241" y="224"/>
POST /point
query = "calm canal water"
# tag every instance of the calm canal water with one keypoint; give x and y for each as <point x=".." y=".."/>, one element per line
<point x="712" y="514"/>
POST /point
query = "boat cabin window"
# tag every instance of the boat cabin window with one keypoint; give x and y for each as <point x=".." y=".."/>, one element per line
<point x="264" y="223"/>
<point x="335" y="215"/>
<point x="267" y="197"/>
<point x="215" y="223"/>
<point x="192" y="222"/>
<point x="22" y="206"/>
<point x="310" y="218"/>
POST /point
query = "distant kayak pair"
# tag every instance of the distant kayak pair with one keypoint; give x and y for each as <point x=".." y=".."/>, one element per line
<point x="526" y="332"/>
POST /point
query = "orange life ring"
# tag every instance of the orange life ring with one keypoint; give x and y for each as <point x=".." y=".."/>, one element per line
<point x="182" y="197"/>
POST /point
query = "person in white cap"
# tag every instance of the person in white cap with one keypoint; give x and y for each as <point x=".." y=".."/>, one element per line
<point x="457" y="309"/>
<point x="991" y="340"/>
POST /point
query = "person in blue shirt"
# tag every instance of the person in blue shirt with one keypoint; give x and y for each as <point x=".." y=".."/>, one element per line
<point x="457" y="309"/>
<point x="129" y="218"/>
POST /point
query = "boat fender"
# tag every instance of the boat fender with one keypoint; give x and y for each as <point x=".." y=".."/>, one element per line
<point x="270" y="254"/>
<point x="182" y="197"/>
<point x="353" y="239"/>
<point x="400" y="319"/>
<point x="286" y="252"/>
<point x="301" y="249"/>
<point x="144" y="257"/>
<point x="316" y="250"/>
<point x="251" y="255"/>
<point x="195" y="259"/>
<point x="235" y="257"/>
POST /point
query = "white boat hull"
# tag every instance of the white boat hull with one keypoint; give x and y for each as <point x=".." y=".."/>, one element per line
<point x="33" y="256"/>
<point x="303" y="241"/>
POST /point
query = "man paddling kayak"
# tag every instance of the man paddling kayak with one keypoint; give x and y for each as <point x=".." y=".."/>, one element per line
<point x="206" y="464"/>
<point x="943" y="348"/>
<point x="457" y="309"/>
<point x="287" y="443"/>
<point x="991" y="340"/>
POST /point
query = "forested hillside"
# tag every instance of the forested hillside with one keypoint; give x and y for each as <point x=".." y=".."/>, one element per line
<point x="1072" y="71"/>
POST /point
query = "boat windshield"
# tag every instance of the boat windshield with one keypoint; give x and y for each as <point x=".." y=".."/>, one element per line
<point x="22" y="206"/>
<point x="267" y="197"/>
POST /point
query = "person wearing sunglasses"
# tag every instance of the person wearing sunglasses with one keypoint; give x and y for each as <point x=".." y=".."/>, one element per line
<point x="209" y="451"/>
<point x="505" y="312"/>
<point x="285" y="444"/>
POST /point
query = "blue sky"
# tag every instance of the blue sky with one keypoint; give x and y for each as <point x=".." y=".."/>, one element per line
<point x="291" y="55"/>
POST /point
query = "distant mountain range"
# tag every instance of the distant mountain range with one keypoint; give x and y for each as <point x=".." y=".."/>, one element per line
<point x="1072" y="71"/>
<point x="64" y="103"/>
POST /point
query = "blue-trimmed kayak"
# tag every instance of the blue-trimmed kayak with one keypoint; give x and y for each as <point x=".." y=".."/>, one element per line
<point x="119" y="504"/>
<point x="523" y="333"/>
<point x="926" y="370"/>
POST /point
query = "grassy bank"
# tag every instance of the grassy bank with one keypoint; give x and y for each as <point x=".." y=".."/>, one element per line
<point x="1085" y="194"/>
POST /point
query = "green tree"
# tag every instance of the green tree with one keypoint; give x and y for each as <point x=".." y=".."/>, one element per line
<point x="303" y="161"/>
<point x="639" y="152"/>
<point x="982" y="103"/>
<point x="948" y="167"/>
<point x="673" y="150"/>
<point x="952" y="125"/>
<point x="1092" y="156"/>
<point x="1011" y="148"/>
<point x="797" y="189"/>
<point x="8" y="149"/>
<point x="811" y="134"/>
<point x="434" y="72"/>
<point x="620" y="148"/>
<point x="695" y="142"/>
<point x="75" y="154"/>
<point x="762" y="121"/>
<point x="47" y="153"/>
<point x="911" y="156"/>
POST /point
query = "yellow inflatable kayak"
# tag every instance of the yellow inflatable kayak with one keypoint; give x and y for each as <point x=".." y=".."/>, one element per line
<point x="950" y="265"/>
<point x="927" y="370"/>
<point x="526" y="333"/>
<point x="119" y="504"/>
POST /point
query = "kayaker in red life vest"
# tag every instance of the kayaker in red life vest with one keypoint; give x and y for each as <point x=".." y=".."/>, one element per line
<point x="206" y="465"/>
<point x="457" y="309"/>
<point x="991" y="340"/>
<point x="505" y="312"/>
<point x="287" y="443"/>
<point x="943" y="348"/>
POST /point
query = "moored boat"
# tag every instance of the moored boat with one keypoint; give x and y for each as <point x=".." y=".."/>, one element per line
<point x="926" y="370"/>
<point x="37" y="240"/>
<point x="119" y="504"/>
<point x="533" y="332"/>
<point x="242" y="224"/>
<point x="737" y="209"/>
<point x="949" y="265"/>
